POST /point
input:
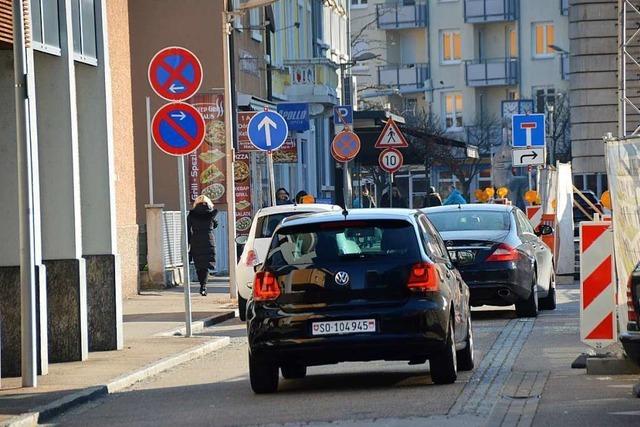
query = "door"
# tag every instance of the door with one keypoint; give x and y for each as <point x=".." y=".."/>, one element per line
<point x="539" y="250"/>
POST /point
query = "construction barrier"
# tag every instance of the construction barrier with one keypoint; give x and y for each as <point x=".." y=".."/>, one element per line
<point x="623" y="173"/>
<point x="597" y="286"/>
<point x="534" y="213"/>
<point x="565" y="260"/>
<point x="551" y="240"/>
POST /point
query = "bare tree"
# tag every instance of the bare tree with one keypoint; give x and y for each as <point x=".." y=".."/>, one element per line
<point x="559" y="130"/>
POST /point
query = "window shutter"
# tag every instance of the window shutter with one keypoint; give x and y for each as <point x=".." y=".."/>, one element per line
<point x="6" y="25"/>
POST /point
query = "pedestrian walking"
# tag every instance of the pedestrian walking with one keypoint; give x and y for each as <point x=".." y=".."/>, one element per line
<point x="300" y="196"/>
<point x="396" y="198"/>
<point x="433" y="198"/>
<point x="455" y="198"/>
<point x="282" y="197"/>
<point x="201" y="222"/>
<point x="365" y="200"/>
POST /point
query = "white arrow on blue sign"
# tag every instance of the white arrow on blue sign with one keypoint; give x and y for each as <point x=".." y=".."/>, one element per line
<point x="267" y="130"/>
<point x="528" y="130"/>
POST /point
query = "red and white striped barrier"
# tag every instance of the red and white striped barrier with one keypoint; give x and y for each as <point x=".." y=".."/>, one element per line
<point x="534" y="213"/>
<point x="597" y="286"/>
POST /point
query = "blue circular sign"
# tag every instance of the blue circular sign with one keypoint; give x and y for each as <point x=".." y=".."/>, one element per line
<point x="178" y="129"/>
<point x="267" y="130"/>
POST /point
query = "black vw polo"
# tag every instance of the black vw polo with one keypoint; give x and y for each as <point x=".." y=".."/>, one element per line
<point x="373" y="284"/>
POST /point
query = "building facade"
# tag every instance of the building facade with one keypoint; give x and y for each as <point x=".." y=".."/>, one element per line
<point x="456" y="61"/>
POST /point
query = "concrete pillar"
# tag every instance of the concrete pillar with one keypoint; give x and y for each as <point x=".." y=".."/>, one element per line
<point x="9" y="232"/>
<point x="60" y="197"/>
<point x="97" y="187"/>
<point x="155" y="246"/>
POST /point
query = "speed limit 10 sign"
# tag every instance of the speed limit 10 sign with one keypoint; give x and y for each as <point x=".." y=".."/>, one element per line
<point x="390" y="160"/>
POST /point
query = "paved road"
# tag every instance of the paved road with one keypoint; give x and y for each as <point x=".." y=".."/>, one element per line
<point x="522" y="378"/>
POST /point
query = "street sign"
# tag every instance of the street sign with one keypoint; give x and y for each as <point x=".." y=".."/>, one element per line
<point x="175" y="73"/>
<point x="346" y="111"/>
<point x="178" y="129"/>
<point x="390" y="160"/>
<point x="267" y="130"/>
<point x="528" y="130"/>
<point x="296" y="115"/>
<point x="528" y="156"/>
<point x="391" y="136"/>
<point x="345" y="146"/>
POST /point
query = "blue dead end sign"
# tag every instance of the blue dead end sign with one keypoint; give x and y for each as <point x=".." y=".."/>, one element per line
<point x="175" y="73"/>
<point x="178" y="129"/>
<point x="267" y="130"/>
<point x="528" y="130"/>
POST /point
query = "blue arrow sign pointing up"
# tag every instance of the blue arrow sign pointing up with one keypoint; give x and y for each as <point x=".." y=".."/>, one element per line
<point x="267" y="130"/>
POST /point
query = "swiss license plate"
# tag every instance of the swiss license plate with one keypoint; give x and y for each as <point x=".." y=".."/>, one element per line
<point x="343" y="327"/>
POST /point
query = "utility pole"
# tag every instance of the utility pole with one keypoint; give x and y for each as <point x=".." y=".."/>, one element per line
<point x="22" y="71"/>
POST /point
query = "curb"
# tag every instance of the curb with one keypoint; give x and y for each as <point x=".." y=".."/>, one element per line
<point x="199" y="325"/>
<point x="51" y="410"/>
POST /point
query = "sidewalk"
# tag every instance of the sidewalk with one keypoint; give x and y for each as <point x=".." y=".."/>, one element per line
<point x="153" y="325"/>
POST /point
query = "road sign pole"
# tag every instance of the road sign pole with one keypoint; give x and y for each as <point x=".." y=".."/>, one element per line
<point x="184" y="245"/>
<point x="149" y="150"/>
<point x="272" y="179"/>
<point x="346" y="184"/>
<point x="530" y="177"/>
<point x="390" y="190"/>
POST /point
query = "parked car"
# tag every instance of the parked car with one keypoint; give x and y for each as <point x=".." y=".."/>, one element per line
<point x="374" y="284"/>
<point x="499" y="255"/>
<point x="631" y="338"/>
<point x="257" y="242"/>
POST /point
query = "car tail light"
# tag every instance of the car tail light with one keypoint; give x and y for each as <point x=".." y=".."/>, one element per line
<point x="424" y="278"/>
<point x="251" y="258"/>
<point x="631" y="311"/>
<point x="504" y="252"/>
<point x="265" y="287"/>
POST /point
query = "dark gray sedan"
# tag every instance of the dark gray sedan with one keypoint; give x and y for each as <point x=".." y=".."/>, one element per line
<point x="500" y="256"/>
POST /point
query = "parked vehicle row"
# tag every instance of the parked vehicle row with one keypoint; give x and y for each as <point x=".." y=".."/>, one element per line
<point x="319" y="285"/>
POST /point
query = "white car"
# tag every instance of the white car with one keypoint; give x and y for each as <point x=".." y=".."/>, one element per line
<point x="255" y="249"/>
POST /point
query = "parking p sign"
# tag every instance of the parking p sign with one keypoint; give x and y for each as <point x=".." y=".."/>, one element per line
<point x="528" y="130"/>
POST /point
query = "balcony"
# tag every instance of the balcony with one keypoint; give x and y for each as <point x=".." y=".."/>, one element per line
<point x="312" y="80"/>
<point x="397" y="16"/>
<point x="492" y="72"/>
<point x="564" y="66"/>
<point x="485" y="11"/>
<point x="564" y="7"/>
<point x="406" y="78"/>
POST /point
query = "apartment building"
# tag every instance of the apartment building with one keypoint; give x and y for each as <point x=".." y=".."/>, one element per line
<point x="458" y="60"/>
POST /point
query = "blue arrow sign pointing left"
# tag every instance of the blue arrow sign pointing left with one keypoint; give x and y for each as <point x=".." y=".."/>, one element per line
<point x="267" y="130"/>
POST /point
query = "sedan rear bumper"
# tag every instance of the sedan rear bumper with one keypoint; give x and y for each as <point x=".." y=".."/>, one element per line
<point x="498" y="283"/>
<point x="414" y="330"/>
<point x="631" y="344"/>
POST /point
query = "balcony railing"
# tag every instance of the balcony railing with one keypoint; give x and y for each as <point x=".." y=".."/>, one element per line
<point x="398" y="16"/>
<point x="564" y="7"/>
<point x="405" y="77"/>
<point x="492" y="72"/>
<point x="481" y="11"/>
<point x="564" y="66"/>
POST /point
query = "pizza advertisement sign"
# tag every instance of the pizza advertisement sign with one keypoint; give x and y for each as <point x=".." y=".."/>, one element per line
<point x="287" y="153"/>
<point x="242" y="180"/>
<point x="207" y="165"/>
<point x="244" y="144"/>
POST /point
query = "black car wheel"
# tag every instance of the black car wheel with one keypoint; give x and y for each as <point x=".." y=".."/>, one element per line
<point x="291" y="372"/>
<point x="529" y="307"/>
<point x="465" y="356"/>
<point x="549" y="302"/>
<point x="263" y="375"/>
<point x="444" y="366"/>
<point x="242" y="308"/>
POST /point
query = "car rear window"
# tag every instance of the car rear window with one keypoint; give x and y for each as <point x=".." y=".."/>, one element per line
<point x="467" y="220"/>
<point x="268" y="223"/>
<point x="343" y="241"/>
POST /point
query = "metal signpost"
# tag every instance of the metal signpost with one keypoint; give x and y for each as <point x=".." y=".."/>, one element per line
<point x="390" y="160"/>
<point x="345" y="147"/>
<point x="178" y="129"/>
<point x="528" y="141"/>
<point x="267" y="131"/>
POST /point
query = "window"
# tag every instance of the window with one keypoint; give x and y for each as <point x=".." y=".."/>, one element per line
<point x="484" y="179"/>
<point x="543" y="96"/>
<point x="84" y="31"/>
<point x="512" y="49"/>
<point x="451" y="47"/>
<point x="45" y="26"/>
<point x="446" y="181"/>
<point x="512" y="95"/>
<point x="523" y="223"/>
<point x="467" y="220"/>
<point x="359" y="4"/>
<point x="254" y="23"/>
<point x="237" y="23"/>
<point x="453" y="111"/>
<point x="410" y="105"/>
<point x="543" y="35"/>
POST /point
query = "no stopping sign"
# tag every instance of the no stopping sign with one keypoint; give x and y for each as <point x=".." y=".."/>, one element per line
<point x="390" y="160"/>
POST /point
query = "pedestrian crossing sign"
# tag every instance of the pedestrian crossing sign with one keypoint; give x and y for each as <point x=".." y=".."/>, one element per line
<point x="391" y="136"/>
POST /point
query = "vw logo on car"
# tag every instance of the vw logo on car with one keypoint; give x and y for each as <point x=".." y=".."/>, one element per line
<point x="342" y="278"/>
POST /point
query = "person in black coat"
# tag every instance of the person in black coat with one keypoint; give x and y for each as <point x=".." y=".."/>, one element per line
<point x="433" y="198"/>
<point x="201" y="222"/>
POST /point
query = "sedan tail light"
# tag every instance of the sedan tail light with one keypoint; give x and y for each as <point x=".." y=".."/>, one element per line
<point x="504" y="252"/>
<point x="265" y="287"/>
<point x="424" y="278"/>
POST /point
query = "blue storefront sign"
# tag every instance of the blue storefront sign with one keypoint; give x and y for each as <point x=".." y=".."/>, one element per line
<point x="296" y="115"/>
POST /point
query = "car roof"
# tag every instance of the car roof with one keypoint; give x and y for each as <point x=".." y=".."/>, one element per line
<point x="359" y="214"/>
<point x="470" y="207"/>
<point x="302" y="207"/>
